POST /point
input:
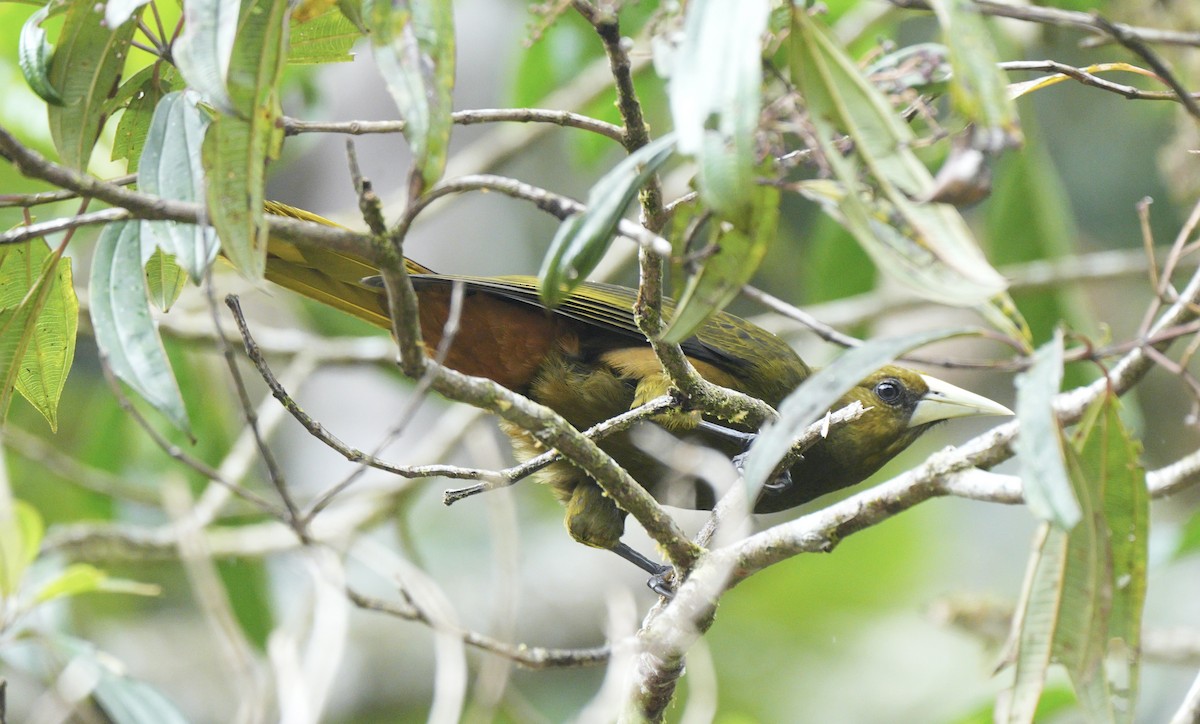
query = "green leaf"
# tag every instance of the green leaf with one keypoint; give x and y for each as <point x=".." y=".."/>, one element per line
<point x="327" y="38"/>
<point x="1039" y="447"/>
<point x="171" y="167"/>
<point x="38" y="316"/>
<point x="85" y="70"/>
<point x="20" y="539"/>
<point x="80" y="578"/>
<point x="814" y="397"/>
<point x="1082" y="604"/>
<point x="413" y="43"/>
<point x="582" y="238"/>
<point x="34" y="54"/>
<point x="715" y="94"/>
<point x="164" y="278"/>
<point x="121" y="321"/>
<point x="1109" y="462"/>
<point x="931" y="250"/>
<point x="978" y="88"/>
<point x="139" y="96"/>
<point x="50" y="351"/>
<point x="735" y="257"/>
<point x="237" y="147"/>
<point x="1036" y="624"/>
<point x="205" y="47"/>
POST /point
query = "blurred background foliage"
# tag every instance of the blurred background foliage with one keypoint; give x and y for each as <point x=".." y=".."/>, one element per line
<point x="857" y="636"/>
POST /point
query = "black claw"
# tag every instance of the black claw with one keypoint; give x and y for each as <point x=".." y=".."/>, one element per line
<point x="660" y="575"/>
<point x="782" y="482"/>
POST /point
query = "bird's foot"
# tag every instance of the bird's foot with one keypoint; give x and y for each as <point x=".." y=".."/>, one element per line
<point x="660" y="575"/>
<point x="781" y="482"/>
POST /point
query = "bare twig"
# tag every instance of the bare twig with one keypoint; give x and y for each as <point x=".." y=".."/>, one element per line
<point x="1070" y="19"/>
<point x="531" y="657"/>
<point x="566" y="119"/>
<point x="174" y="451"/>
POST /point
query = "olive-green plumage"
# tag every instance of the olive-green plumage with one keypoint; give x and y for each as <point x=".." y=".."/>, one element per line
<point x="587" y="360"/>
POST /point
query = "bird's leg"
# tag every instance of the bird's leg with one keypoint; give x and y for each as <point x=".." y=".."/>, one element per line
<point x="658" y="572"/>
<point x="782" y="482"/>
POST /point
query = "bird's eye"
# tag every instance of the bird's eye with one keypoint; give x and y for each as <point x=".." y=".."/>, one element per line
<point x="889" y="391"/>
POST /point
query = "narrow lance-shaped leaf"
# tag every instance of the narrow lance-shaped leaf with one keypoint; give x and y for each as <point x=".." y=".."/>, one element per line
<point x="1082" y="634"/>
<point x="205" y="47"/>
<point x="171" y="167"/>
<point x="583" y="238"/>
<point x="33" y="56"/>
<point x="1108" y="456"/>
<point x="735" y="256"/>
<point x="79" y="578"/>
<point x="413" y="43"/>
<point x="819" y="392"/>
<point x="237" y="147"/>
<point x="715" y="94"/>
<point x="978" y="87"/>
<point x="86" y="66"/>
<point x="934" y="236"/>
<point x="1048" y="490"/>
<point x="1036" y="625"/>
<point x="124" y="329"/>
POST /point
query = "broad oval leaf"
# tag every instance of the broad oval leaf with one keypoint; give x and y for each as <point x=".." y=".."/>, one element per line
<point x="50" y="352"/>
<point x="1039" y="447"/>
<point x="33" y="56"/>
<point x="818" y="393"/>
<point x="38" y="319"/>
<point x="165" y="279"/>
<point x="582" y="238"/>
<point x="124" y="329"/>
<point x="171" y="167"/>
<point x="86" y="66"/>
<point x="326" y="38"/>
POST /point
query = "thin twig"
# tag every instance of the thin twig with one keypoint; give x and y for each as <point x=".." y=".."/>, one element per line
<point x="174" y="451"/>
<point x="1069" y="19"/>
<point x="566" y="119"/>
<point x="531" y="657"/>
<point x="1124" y="35"/>
<point x="250" y="417"/>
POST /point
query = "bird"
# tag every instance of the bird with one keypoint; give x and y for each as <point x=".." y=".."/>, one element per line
<point x="587" y="360"/>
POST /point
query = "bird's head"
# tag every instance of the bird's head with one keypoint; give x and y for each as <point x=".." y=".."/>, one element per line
<point x="901" y="405"/>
